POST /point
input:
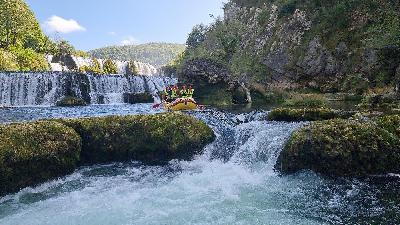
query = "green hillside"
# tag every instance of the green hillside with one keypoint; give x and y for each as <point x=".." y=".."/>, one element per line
<point x="157" y="54"/>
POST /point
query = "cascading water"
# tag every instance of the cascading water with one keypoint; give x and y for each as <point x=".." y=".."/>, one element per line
<point x="232" y="182"/>
<point x="30" y="89"/>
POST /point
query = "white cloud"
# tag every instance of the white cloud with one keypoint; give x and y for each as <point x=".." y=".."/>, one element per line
<point x="58" y="24"/>
<point x="112" y="33"/>
<point x="129" y="41"/>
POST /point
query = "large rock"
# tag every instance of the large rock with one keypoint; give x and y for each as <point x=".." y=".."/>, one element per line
<point x="70" y="101"/>
<point x="241" y="94"/>
<point x="344" y="148"/>
<point x="34" y="152"/>
<point x="133" y="98"/>
<point x="204" y="71"/>
<point x="31" y="153"/>
<point x="148" y="138"/>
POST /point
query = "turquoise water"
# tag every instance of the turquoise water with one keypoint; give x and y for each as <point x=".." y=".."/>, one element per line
<point x="232" y="182"/>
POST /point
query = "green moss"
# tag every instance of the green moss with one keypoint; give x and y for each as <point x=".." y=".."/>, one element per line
<point x="306" y="114"/>
<point x="69" y="101"/>
<point x="31" y="153"/>
<point x="306" y="100"/>
<point x="385" y="102"/>
<point x="341" y="148"/>
<point x="148" y="138"/>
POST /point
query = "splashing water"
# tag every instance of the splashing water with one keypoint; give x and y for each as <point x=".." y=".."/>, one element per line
<point x="232" y="182"/>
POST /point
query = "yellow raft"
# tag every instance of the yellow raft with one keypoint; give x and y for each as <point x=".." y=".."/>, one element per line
<point x="181" y="104"/>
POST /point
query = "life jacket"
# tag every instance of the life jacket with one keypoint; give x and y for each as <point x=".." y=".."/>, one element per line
<point x="190" y="93"/>
<point x="184" y="93"/>
<point x="173" y="93"/>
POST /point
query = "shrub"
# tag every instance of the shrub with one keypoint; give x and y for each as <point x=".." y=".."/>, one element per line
<point x="109" y="67"/>
<point x="355" y="84"/>
<point x="306" y="114"/>
<point x="80" y="53"/>
<point x="94" y="67"/>
<point x="31" y="153"/>
<point x="390" y="123"/>
<point x="306" y="100"/>
<point x="341" y="148"/>
<point x="131" y="68"/>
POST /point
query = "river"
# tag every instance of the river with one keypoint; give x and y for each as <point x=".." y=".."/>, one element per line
<point x="232" y="182"/>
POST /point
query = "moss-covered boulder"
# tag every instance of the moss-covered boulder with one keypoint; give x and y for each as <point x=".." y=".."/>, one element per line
<point x="31" y="153"/>
<point x="306" y="114"/>
<point x="148" y="138"/>
<point x="133" y="98"/>
<point x="343" y="148"/>
<point x="70" y="101"/>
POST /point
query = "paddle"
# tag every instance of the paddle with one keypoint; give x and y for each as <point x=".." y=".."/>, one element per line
<point x="155" y="106"/>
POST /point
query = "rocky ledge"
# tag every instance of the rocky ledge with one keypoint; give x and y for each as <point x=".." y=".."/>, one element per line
<point x="307" y="114"/>
<point x="344" y="148"/>
<point x="34" y="152"/>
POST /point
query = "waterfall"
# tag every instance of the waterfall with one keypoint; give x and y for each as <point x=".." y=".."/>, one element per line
<point x="46" y="88"/>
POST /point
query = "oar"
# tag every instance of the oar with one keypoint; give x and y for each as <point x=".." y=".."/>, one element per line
<point x="155" y="106"/>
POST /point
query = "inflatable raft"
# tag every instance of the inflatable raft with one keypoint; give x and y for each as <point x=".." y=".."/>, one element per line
<point x="181" y="104"/>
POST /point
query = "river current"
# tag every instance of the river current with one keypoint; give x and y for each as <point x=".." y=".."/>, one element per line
<point x="232" y="182"/>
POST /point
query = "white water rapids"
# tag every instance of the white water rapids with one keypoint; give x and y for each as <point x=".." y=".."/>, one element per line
<point x="232" y="182"/>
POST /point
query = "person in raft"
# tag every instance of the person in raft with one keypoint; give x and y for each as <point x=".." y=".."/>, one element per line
<point x="166" y="96"/>
<point x="183" y="92"/>
<point x="174" y="93"/>
<point x="189" y="92"/>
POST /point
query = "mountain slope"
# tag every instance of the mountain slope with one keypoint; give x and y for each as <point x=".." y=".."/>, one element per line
<point x="157" y="54"/>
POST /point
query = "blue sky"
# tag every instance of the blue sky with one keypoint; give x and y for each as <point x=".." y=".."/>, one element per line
<point x="90" y="24"/>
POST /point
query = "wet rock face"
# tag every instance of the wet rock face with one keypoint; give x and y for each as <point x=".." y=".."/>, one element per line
<point x="344" y="148"/>
<point x="241" y="95"/>
<point x="295" y="44"/>
<point x="133" y="98"/>
<point x="398" y="81"/>
<point x="205" y="70"/>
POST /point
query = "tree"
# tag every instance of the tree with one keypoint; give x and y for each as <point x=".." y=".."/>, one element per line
<point x="8" y="61"/>
<point x="197" y="36"/>
<point x="132" y="68"/>
<point x="19" y="27"/>
<point x="109" y="67"/>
